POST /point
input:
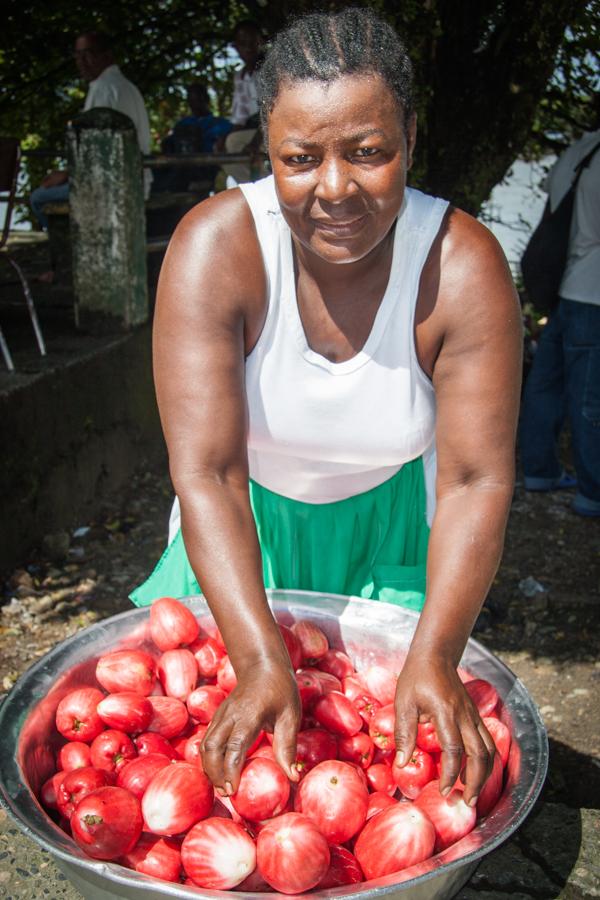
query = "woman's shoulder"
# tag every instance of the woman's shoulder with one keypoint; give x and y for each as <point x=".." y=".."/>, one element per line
<point x="223" y="223"/>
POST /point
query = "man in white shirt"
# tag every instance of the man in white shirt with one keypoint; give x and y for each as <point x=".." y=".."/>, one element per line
<point x="564" y="380"/>
<point x="245" y="137"/>
<point x="108" y="87"/>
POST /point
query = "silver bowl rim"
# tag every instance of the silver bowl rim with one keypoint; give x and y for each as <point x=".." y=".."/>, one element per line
<point x="125" y="877"/>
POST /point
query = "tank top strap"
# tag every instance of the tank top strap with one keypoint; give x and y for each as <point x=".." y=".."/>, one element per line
<point x="268" y="221"/>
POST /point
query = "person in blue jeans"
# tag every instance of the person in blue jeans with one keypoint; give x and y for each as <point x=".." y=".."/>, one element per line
<point x="564" y="381"/>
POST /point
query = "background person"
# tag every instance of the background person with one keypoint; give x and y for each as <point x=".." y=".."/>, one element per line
<point x="195" y="133"/>
<point x="564" y="380"/>
<point x="338" y="373"/>
<point x="246" y="135"/>
<point x="108" y="87"/>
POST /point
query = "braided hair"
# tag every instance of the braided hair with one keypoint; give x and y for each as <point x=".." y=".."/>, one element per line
<point x="323" y="46"/>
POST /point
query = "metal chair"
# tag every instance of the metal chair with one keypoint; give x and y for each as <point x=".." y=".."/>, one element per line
<point x="10" y="162"/>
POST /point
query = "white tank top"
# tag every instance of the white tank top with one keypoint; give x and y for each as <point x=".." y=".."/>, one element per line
<point x="321" y="431"/>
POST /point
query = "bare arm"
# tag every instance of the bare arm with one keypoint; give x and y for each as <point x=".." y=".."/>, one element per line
<point x="209" y="305"/>
<point x="476" y="377"/>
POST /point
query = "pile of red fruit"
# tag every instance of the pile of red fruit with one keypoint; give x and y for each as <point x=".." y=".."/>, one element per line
<point x="130" y="787"/>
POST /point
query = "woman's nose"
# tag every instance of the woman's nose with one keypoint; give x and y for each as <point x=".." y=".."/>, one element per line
<point x="335" y="181"/>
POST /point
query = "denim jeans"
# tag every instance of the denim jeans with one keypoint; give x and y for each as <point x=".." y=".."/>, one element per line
<point x="564" y="382"/>
<point x="42" y="195"/>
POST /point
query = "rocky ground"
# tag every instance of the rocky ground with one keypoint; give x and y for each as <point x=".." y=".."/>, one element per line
<point x="541" y="618"/>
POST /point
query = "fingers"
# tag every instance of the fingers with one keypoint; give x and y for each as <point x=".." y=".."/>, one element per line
<point x="284" y="742"/>
<point x="224" y="748"/>
<point x="405" y="732"/>
<point x="467" y="747"/>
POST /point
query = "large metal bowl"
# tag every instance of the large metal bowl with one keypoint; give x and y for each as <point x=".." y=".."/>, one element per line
<point x="370" y="633"/>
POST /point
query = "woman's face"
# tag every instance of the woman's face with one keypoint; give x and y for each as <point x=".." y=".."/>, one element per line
<point x="340" y="154"/>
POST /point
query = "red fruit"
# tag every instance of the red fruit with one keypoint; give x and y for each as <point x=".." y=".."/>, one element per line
<point x="328" y="682"/>
<point x="265" y="751"/>
<point x="381" y="683"/>
<point x="315" y="745"/>
<point x="336" y="713"/>
<point x="483" y="695"/>
<point x="107" y="823"/>
<point x="335" y="798"/>
<point x="218" y="854"/>
<point x="394" y="839"/>
<point x="336" y="663"/>
<point x="263" y="790"/>
<point x="48" y="790"/>
<point x="367" y="707"/>
<point x="76" y="715"/>
<point x="253" y="884"/>
<point x="384" y="756"/>
<point x="381" y="727"/>
<point x="204" y="701"/>
<point x="451" y="816"/>
<point x="292" y="854"/>
<point x="418" y="771"/>
<point x="156" y="856"/>
<point x="309" y="688"/>
<point x="126" y="711"/>
<point x="152" y="742"/>
<point x="491" y="790"/>
<point x="343" y="869"/>
<point x="226" y="677"/>
<point x="178" y="673"/>
<point x="76" y="785"/>
<point x="313" y="643"/>
<point x="380" y="778"/>
<point x="177" y="797"/>
<point x="353" y="686"/>
<point x="126" y="670"/>
<point x="74" y="755"/>
<point x="170" y="716"/>
<point x="136" y="775"/>
<point x="292" y="643"/>
<point x="500" y="735"/>
<point x="172" y="624"/>
<point x="358" y="749"/>
<point x="427" y="738"/>
<point x="192" y="749"/>
<point x="208" y="655"/>
<point x="112" y="750"/>
<point x="378" y="800"/>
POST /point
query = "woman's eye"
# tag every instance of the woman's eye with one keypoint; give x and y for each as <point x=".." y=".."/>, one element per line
<point x="364" y="152"/>
<point x="301" y="159"/>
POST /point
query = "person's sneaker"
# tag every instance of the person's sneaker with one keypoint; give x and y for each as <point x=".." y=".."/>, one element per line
<point x="583" y="506"/>
<point x="563" y="482"/>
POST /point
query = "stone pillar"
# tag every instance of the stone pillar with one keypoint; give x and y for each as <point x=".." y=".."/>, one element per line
<point x="108" y="232"/>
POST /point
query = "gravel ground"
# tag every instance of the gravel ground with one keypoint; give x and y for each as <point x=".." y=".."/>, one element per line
<point x="549" y="639"/>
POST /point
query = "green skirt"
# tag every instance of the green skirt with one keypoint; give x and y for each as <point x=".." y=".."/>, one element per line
<point x="372" y="545"/>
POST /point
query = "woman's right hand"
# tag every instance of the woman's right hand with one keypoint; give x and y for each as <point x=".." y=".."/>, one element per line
<point x="265" y="697"/>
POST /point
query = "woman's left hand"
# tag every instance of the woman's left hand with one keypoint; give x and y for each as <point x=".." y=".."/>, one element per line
<point x="429" y="690"/>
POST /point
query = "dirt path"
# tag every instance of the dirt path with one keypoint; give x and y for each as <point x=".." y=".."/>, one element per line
<point x="550" y="639"/>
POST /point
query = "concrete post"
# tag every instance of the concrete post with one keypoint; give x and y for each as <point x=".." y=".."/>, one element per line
<point x="108" y="232"/>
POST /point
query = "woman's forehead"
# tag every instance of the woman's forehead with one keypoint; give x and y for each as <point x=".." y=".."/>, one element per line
<point x="347" y="101"/>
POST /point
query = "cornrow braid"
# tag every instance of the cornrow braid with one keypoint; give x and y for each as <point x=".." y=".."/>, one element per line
<point x="323" y="46"/>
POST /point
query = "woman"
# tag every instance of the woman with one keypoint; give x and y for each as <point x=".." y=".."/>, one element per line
<point x="315" y="333"/>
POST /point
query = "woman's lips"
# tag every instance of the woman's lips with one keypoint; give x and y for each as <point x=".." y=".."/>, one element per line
<point x="346" y="228"/>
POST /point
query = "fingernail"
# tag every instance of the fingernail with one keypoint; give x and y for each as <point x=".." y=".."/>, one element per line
<point x="446" y="791"/>
<point x="400" y="757"/>
<point x="473" y="801"/>
<point x="228" y="787"/>
<point x="220" y="792"/>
